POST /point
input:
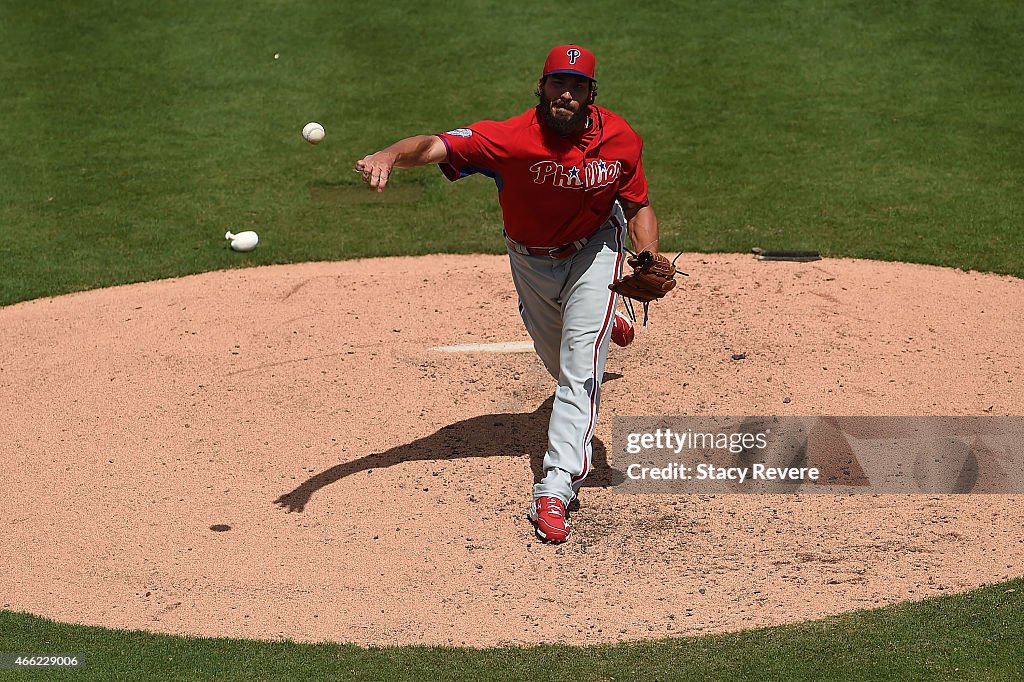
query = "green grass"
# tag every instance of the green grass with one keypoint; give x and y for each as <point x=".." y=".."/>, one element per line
<point x="975" y="636"/>
<point x="134" y="134"/>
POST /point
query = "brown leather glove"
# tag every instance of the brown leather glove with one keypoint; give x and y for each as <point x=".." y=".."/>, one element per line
<point x="653" y="276"/>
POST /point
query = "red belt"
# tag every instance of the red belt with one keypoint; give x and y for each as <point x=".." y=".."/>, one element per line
<point x="559" y="252"/>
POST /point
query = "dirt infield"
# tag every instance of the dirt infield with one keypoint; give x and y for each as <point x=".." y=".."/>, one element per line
<point x="280" y="453"/>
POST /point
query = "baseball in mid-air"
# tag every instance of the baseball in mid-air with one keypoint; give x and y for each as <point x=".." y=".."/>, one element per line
<point x="313" y="132"/>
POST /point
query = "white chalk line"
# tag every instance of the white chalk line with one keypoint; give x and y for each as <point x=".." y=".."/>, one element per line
<point x="506" y="347"/>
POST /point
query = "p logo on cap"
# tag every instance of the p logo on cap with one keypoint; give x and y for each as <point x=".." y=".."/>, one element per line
<point x="571" y="59"/>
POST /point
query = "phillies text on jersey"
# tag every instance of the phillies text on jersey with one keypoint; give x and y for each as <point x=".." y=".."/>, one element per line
<point x="597" y="173"/>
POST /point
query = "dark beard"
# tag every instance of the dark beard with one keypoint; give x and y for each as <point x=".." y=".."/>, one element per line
<point x="560" y="126"/>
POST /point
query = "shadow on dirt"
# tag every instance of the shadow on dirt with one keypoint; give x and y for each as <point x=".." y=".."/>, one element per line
<point x="489" y="435"/>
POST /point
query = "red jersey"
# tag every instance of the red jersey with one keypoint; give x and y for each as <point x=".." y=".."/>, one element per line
<point x="552" y="189"/>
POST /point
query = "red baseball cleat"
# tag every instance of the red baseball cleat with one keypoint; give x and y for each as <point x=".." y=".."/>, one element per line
<point x="548" y="515"/>
<point x="622" y="330"/>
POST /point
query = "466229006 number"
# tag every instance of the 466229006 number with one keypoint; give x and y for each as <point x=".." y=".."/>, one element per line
<point x="21" y="660"/>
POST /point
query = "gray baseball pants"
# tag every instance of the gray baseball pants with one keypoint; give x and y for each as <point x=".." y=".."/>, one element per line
<point x="568" y="311"/>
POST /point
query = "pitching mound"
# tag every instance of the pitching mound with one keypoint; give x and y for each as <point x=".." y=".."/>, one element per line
<point x="282" y="453"/>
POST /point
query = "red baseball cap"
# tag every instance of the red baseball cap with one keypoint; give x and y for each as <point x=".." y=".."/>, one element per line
<point x="573" y="59"/>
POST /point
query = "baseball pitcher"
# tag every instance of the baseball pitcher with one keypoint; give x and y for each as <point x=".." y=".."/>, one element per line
<point x="571" y="186"/>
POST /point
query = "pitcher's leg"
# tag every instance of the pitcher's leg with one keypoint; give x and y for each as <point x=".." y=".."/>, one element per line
<point x="587" y="315"/>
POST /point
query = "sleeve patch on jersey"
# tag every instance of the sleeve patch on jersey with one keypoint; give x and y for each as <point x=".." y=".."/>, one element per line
<point x="460" y="132"/>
